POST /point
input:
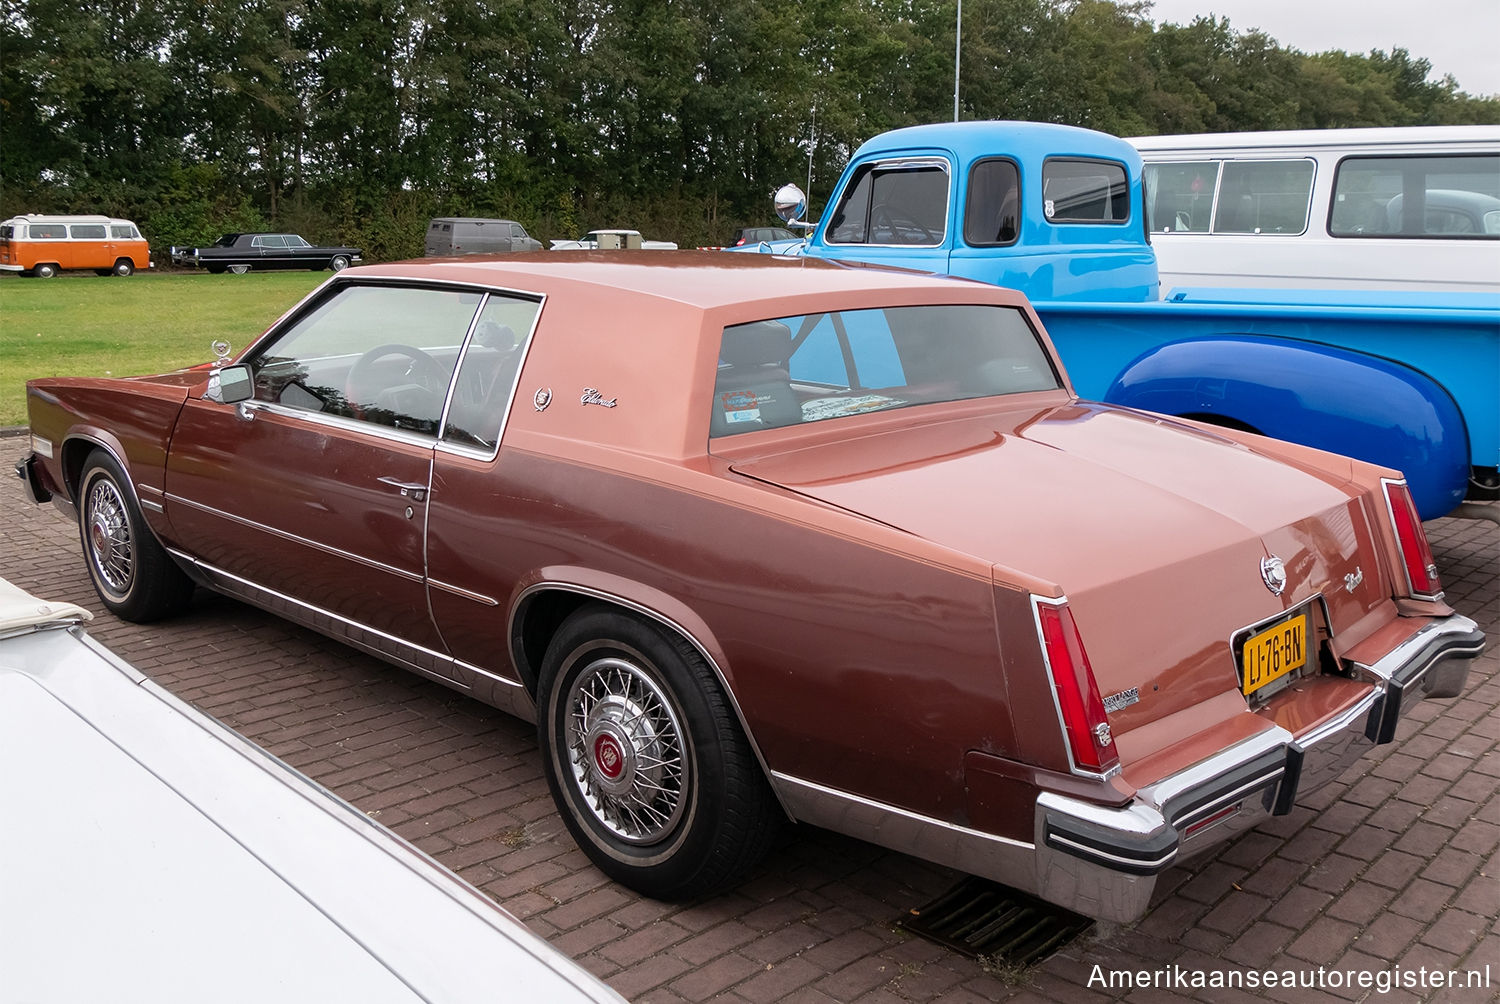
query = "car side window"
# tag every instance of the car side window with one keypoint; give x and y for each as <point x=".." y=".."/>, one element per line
<point x="88" y="231"/>
<point x="487" y="375"/>
<point x="378" y="354"/>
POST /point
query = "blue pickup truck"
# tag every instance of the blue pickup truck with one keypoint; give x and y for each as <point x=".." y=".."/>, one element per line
<point x="1408" y="380"/>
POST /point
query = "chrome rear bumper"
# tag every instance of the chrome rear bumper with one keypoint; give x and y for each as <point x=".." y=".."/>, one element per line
<point x="1104" y="862"/>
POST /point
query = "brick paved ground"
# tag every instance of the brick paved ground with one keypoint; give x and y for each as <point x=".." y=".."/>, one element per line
<point x="1396" y="864"/>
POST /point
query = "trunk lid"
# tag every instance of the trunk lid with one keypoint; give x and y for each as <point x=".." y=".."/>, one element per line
<point x="1154" y="530"/>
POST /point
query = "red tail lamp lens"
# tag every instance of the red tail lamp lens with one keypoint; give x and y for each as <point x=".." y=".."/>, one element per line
<point x="1083" y="716"/>
<point x="1416" y="553"/>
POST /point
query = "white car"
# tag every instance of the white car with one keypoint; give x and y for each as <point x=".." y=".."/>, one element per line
<point x="608" y="240"/>
<point x="151" y="854"/>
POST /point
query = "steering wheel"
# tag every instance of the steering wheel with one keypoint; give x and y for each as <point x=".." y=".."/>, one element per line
<point x="881" y="218"/>
<point x="360" y="386"/>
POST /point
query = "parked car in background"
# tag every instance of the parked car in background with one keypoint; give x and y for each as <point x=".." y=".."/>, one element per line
<point x="187" y="865"/>
<point x="42" y="246"/>
<point x="758" y="235"/>
<point x="239" y="253"/>
<point x="752" y="538"/>
<point x="470" y="235"/>
<point x="612" y="240"/>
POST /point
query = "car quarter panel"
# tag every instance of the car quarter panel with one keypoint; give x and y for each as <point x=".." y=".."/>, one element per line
<point x="826" y="624"/>
<point x="132" y="419"/>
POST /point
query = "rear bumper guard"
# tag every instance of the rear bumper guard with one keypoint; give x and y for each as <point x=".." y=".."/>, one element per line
<point x="1104" y="862"/>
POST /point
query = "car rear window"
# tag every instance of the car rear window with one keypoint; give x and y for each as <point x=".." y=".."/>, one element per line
<point x="809" y="368"/>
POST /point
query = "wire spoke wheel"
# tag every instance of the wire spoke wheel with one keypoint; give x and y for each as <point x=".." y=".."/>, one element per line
<point x="111" y="544"/>
<point x="625" y="746"/>
<point x="645" y="758"/>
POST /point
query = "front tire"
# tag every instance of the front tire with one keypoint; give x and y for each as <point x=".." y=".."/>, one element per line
<point x="645" y="758"/>
<point x="135" y="578"/>
<point x="338" y="263"/>
<point x="124" y="267"/>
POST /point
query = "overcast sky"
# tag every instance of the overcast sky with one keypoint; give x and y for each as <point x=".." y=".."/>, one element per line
<point x="1461" y="37"/>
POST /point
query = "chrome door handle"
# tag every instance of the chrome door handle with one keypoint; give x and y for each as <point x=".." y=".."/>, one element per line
<point x="415" y="491"/>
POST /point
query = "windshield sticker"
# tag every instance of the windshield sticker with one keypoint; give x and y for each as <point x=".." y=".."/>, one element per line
<point x="740" y="406"/>
<point x="839" y="407"/>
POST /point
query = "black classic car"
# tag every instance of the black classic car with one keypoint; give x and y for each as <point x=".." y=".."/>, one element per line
<point x="240" y="253"/>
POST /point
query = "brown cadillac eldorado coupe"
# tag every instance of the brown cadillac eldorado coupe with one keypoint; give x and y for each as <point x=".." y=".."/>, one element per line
<point x="753" y="539"/>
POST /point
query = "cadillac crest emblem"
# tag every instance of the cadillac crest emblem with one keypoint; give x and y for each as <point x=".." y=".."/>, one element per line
<point x="1273" y="573"/>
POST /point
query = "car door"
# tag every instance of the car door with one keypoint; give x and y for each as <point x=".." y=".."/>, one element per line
<point x="472" y="523"/>
<point x="314" y="492"/>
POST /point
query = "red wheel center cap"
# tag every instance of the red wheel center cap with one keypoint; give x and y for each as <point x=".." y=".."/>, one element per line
<point x="608" y="757"/>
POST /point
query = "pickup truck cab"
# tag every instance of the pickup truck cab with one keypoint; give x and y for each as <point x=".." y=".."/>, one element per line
<point x="1402" y="379"/>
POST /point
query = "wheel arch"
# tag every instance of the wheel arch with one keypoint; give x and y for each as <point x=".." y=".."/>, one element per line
<point x="1361" y="405"/>
<point x="546" y="599"/>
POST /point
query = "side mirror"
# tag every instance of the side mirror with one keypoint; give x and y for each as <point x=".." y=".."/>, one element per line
<point x="791" y="205"/>
<point x="236" y="384"/>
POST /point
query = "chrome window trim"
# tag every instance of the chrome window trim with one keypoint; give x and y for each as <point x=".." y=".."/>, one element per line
<point x="672" y="625"/>
<point x="897" y="164"/>
<point x="338" y="283"/>
<point x="474" y="453"/>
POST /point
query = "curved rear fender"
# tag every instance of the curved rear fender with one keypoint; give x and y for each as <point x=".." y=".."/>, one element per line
<point x="1345" y="402"/>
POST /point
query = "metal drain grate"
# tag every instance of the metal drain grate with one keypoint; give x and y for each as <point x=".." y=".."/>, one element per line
<point x="981" y="918"/>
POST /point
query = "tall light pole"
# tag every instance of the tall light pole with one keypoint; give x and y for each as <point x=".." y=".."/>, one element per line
<point x="958" y="34"/>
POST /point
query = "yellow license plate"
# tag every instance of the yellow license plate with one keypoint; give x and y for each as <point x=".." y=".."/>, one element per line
<point x="1273" y="653"/>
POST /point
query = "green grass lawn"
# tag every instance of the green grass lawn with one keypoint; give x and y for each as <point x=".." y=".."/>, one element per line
<point x="88" y="325"/>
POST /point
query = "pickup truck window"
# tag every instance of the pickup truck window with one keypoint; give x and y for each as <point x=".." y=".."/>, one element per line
<point x="896" y="202"/>
<point x="1085" y="191"/>
<point x="808" y="368"/>
<point x="1417" y="196"/>
<point x="993" y="207"/>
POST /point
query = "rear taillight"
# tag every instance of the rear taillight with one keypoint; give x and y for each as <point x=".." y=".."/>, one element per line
<point x="1079" y="708"/>
<point x="1416" y="555"/>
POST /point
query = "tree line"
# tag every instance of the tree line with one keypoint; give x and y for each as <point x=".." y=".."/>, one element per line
<point x="354" y="121"/>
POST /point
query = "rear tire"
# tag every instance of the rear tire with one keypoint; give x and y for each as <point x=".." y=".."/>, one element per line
<point x="134" y="576"/>
<point x="646" y="760"/>
<point x="45" y="270"/>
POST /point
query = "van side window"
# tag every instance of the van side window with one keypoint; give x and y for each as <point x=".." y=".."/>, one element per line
<point x="1264" y="197"/>
<point x="1417" y="196"/>
<point x="49" y="232"/>
<point x="1085" y="191"/>
<point x="88" y="232"/>
<point x="124" y="233"/>
<point x="1180" y="197"/>
<point x="992" y="210"/>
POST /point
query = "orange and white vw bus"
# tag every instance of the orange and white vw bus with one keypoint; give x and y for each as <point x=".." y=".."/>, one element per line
<point x="45" y="245"/>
